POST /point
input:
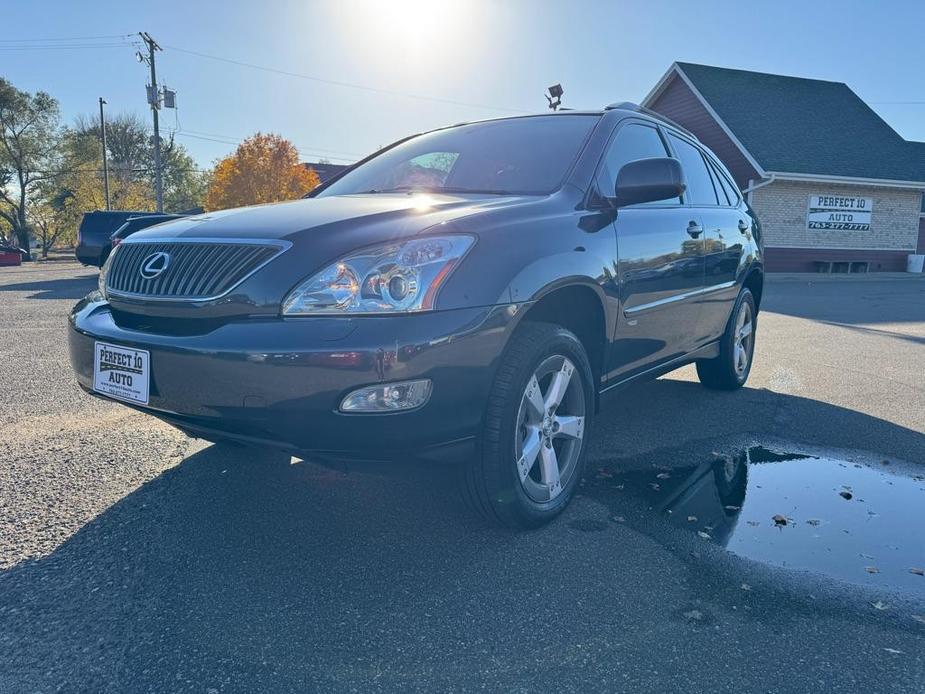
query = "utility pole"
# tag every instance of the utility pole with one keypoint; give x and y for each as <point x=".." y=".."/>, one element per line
<point x="105" y="159"/>
<point x="154" y="100"/>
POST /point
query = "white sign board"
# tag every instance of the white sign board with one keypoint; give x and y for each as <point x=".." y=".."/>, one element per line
<point x="121" y="372"/>
<point x="839" y="212"/>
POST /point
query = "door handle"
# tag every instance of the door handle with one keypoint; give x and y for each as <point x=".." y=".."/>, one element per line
<point x="694" y="229"/>
<point x="743" y="226"/>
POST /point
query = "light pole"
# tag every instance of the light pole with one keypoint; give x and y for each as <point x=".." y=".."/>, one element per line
<point x="105" y="157"/>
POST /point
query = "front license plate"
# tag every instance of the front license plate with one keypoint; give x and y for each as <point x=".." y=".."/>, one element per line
<point x="121" y="372"/>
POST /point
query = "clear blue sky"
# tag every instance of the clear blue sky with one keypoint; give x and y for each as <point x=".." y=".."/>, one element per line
<point x="501" y="54"/>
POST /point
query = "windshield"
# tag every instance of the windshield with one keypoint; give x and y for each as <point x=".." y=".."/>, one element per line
<point x="525" y="156"/>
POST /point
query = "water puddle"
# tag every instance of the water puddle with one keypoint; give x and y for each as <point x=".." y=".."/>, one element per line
<point x="864" y="524"/>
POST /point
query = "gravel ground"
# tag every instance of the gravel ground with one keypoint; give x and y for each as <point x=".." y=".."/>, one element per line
<point x="135" y="559"/>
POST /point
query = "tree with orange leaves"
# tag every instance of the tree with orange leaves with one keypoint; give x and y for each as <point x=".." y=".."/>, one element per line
<point x="264" y="168"/>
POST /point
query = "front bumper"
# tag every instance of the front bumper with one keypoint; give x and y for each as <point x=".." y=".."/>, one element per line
<point x="280" y="381"/>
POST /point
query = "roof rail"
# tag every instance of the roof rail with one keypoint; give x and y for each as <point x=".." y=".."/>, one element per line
<point x="623" y="105"/>
<point x="630" y="106"/>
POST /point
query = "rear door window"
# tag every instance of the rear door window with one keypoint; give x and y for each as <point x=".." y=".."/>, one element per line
<point x="699" y="184"/>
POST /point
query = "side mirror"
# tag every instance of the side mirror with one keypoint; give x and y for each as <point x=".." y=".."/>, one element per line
<point x="648" y="180"/>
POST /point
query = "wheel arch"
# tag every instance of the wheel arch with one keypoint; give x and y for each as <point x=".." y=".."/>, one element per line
<point x="754" y="282"/>
<point x="578" y="306"/>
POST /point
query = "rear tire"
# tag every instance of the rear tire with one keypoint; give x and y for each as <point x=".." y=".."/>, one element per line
<point x="731" y="368"/>
<point x="532" y="444"/>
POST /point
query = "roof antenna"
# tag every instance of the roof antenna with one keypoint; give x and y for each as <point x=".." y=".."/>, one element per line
<point x="555" y="96"/>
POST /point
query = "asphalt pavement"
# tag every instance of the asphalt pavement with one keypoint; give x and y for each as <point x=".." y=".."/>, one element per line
<point x="133" y="559"/>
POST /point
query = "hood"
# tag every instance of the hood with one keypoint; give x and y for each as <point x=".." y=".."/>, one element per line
<point x="318" y="231"/>
<point x="354" y="218"/>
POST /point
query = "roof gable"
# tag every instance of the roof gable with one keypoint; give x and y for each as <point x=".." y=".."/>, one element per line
<point x="796" y="125"/>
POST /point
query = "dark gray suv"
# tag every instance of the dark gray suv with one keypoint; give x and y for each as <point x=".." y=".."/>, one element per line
<point x="471" y="294"/>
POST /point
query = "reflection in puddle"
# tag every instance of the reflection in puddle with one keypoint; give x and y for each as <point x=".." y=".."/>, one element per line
<point x="853" y="522"/>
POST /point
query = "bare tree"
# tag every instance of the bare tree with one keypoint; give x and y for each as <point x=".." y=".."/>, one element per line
<point x="47" y="225"/>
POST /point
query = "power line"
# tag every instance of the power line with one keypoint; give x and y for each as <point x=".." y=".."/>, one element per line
<point x="117" y="171"/>
<point x="58" y="47"/>
<point x="347" y="85"/>
<point x="241" y="139"/>
<point x="67" y="38"/>
<point x="234" y="140"/>
<point x="230" y="141"/>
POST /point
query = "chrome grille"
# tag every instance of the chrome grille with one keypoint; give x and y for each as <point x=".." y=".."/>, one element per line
<point x="197" y="269"/>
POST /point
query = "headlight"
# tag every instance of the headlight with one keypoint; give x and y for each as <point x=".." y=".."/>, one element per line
<point x="398" y="277"/>
<point x="101" y="283"/>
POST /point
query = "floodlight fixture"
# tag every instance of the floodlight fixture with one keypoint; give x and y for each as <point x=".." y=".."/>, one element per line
<point x="554" y="97"/>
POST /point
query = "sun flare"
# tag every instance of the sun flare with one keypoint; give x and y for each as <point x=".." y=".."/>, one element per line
<point x="418" y="26"/>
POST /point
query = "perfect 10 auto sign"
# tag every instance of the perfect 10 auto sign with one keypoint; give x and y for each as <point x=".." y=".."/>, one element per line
<point x="839" y="213"/>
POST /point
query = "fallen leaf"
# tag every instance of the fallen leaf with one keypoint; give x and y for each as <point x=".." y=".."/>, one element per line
<point x="917" y="571"/>
<point x="872" y="569"/>
<point x="845" y="495"/>
<point x="779" y="519"/>
<point x="705" y="536"/>
<point x="879" y="605"/>
<point x="692" y="519"/>
<point x="663" y="476"/>
<point x="893" y="650"/>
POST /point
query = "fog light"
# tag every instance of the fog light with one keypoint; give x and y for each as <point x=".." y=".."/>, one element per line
<point x="388" y="397"/>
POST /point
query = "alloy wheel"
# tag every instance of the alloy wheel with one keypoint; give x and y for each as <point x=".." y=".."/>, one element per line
<point x="550" y="429"/>
<point x="742" y="345"/>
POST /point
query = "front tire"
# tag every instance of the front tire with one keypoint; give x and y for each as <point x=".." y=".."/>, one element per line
<point x="532" y="444"/>
<point x="730" y="369"/>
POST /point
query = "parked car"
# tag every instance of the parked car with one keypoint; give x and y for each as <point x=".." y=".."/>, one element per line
<point x="133" y="224"/>
<point x="100" y="230"/>
<point x="96" y="228"/>
<point x="473" y="294"/>
<point x="10" y="255"/>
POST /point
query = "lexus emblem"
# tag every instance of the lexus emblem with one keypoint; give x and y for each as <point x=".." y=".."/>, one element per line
<point x="154" y="265"/>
